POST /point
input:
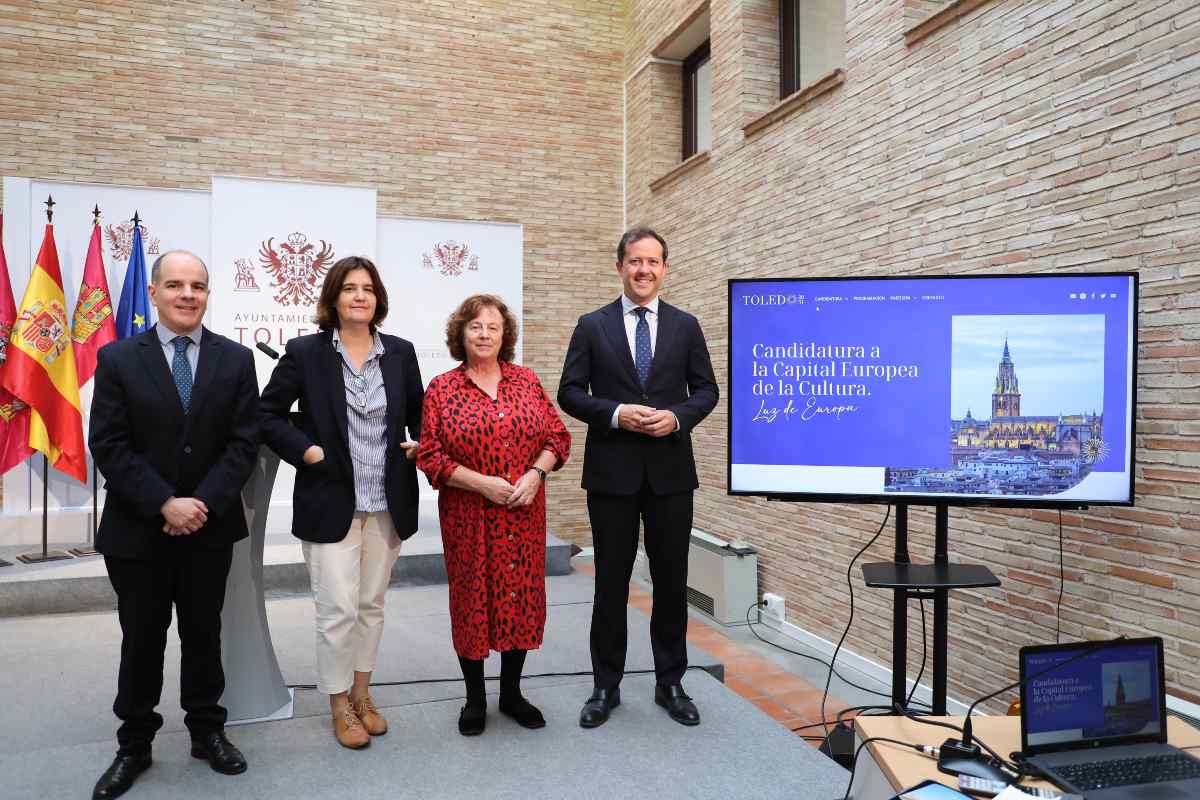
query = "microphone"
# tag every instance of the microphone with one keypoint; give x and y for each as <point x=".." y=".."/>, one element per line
<point x="266" y="348"/>
<point x="963" y="756"/>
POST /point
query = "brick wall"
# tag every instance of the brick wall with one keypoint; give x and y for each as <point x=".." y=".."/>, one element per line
<point x="1025" y="136"/>
<point x="464" y="110"/>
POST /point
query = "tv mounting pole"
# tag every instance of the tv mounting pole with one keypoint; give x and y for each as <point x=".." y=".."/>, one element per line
<point x="934" y="581"/>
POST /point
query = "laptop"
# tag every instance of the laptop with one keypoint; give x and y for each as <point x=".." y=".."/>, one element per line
<point x="1097" y="725"/>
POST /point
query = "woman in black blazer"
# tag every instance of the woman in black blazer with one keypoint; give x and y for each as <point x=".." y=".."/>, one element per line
<point x="355" y="498"/>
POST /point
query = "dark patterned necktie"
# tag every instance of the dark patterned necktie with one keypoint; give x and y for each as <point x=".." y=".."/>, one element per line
<point x="181" y="370"/>
<point x="641" y="345"/>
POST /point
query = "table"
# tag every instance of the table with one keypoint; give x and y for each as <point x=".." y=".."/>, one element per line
<point x="884" y="769"/>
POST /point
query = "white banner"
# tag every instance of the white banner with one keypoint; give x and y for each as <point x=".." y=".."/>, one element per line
<point x="272" y="244"/>
<point x="430" y="266"/>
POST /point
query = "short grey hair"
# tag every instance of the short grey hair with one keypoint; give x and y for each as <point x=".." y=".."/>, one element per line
<point x="156" y="267"/>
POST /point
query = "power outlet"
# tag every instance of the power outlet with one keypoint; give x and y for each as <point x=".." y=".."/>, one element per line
<point x="773" y="606"/>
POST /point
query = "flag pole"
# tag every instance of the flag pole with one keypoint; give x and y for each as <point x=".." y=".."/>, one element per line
<point x="89" y="549"/>
<point x="46" y="554"/>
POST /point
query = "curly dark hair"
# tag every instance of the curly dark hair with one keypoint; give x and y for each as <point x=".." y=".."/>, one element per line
<point x="467" y="311"/>
<point x="327" y="316"/>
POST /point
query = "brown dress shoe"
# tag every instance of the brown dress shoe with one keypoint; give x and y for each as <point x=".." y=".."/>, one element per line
<point x="372" y="720"/>
<point x="350" y="731"/>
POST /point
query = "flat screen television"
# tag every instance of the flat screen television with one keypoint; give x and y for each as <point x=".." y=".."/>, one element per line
<point x="1013" y="390"/>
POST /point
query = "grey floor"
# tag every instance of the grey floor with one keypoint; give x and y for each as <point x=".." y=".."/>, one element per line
<point x="58" y="674"/>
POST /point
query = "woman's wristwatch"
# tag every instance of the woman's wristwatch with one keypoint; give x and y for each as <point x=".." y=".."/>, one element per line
<point x="541" y="472"/>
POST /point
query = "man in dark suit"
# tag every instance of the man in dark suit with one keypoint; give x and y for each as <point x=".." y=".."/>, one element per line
<point x="638" y="373"/>
<point x="174" y="431"/>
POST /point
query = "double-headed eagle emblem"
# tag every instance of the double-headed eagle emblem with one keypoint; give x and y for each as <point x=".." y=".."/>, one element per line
<point x="296" y="270"/>
<point x="120" y="240"/>
<point x="451" y="259"/>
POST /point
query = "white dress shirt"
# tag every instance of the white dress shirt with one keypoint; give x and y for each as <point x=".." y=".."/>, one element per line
<point x="166" y="337"/>
<point x="631" y="320"/>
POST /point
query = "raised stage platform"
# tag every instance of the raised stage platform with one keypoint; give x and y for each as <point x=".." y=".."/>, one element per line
<point x="81" y="584"/>
<point x="58" y="675"/>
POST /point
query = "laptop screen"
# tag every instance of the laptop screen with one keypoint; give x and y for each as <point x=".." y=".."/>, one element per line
<point x="1113" y="695"/>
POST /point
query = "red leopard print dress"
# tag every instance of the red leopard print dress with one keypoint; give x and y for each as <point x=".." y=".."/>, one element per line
<point x="495" y="555"/>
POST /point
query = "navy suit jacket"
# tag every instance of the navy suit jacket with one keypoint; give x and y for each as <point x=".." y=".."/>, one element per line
<point x="599" y="374"/>
<point x="149" y="450"/>
<point x="311" y="371"/>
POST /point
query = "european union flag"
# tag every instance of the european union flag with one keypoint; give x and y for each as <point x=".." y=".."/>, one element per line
<point x="133" y="312"/>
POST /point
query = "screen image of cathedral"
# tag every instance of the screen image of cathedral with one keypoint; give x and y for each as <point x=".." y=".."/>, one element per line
<point x="1130" y="702"/>
<point x="1009" y="453"/>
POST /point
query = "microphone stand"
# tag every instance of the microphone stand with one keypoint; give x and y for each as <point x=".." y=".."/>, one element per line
<point x="964" y="757"/>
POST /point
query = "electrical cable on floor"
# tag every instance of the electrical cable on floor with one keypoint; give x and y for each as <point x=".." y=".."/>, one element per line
<point x="850" y="621"/>
<point x="841" y="721"/>
<point x="459" y="679"/>
<point x="819" y="660"/>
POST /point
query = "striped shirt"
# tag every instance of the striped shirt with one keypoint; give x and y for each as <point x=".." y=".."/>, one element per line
<point x="366" y="404"/>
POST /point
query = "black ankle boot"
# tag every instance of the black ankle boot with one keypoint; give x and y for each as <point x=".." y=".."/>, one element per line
<point x="472" y="719"/>
<point x="525" y="713"/>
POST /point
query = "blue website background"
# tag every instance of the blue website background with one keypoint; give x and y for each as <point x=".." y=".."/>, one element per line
<point x="1072" y="696"/>
<point x="904" y="421"/>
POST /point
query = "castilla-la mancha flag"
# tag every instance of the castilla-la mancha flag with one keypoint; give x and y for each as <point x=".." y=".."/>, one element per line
<point x="14" y="415"/>
<point x="92" y="326"/>
<point x="40" y="369"/>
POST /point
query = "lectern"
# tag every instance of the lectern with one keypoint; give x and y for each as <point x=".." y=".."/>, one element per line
<point x="254" y="686"/>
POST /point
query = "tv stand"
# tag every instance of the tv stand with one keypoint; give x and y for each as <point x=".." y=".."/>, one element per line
<point x="910" y="581"/>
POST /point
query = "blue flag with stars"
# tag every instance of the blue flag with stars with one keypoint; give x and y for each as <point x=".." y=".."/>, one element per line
<point x="133" y="312"/>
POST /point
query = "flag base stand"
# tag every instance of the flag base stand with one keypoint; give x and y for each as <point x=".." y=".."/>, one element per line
<point x="43" y="555"/>
<point x="83" y="551"/>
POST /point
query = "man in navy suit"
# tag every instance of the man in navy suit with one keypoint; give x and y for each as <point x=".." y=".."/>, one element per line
<point x="638" y="373"/>
<point x="174" y="432"/>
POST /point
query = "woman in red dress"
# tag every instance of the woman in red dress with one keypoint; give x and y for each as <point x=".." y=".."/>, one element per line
<point x="489" y="436"/>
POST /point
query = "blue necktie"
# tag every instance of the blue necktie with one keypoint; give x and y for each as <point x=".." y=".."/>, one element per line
<point x="641" y="345"/>
<point x="181" y="370"/>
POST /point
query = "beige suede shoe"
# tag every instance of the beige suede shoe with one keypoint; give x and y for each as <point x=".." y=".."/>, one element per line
<point x="350" y="731"/>
<point x="372" y="720"/>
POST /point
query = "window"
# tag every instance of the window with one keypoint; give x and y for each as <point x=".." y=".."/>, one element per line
<point x="697" y="102"/>
<point x="812" y="41"/>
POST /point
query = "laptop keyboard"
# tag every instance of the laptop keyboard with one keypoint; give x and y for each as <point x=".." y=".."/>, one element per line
<point x="1093" y="775"/>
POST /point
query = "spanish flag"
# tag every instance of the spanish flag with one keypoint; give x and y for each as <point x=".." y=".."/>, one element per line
<point x="40" y="370"/>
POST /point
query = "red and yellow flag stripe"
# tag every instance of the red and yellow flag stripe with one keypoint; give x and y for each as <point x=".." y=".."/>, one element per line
<point x="41" y="366"/>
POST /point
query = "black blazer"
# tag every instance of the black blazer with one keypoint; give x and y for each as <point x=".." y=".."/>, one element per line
<point x="599" y="374"/>
<point x="148" y="450"/>
<point x="311" y="371"/>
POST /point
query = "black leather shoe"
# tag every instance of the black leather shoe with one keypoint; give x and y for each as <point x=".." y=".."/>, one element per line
<point x="117" y="779"/>
<point x="677" y="703"/>
<point x="472" y="719"/>
<point x="220" y="753"/>
<point x="524" y="712"/>
<point x="596" y="709"/>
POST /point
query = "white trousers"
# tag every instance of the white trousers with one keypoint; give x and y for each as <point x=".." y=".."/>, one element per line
<point x="349" y="585"/>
